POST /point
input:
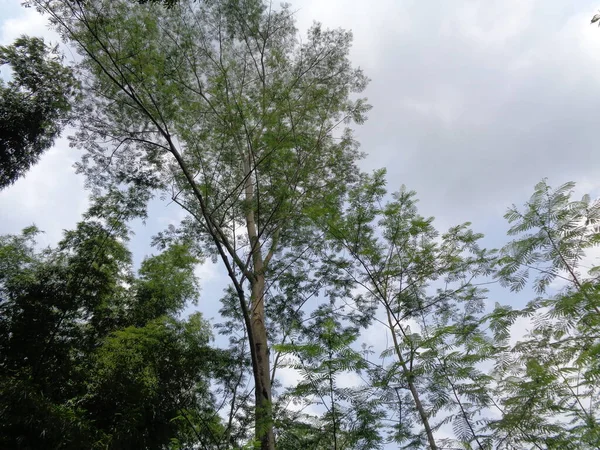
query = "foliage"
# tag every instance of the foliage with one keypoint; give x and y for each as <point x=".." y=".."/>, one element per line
<point x="322" y="356"/>
<point x="92" y="356"/>
<point x="166" y="3"/>
<point x="35" y="104"/>
<point x="222" y="107"/>
<point x="548" y="381"/>
<point x="430" y="305"/>
<point x="138" y="381"/>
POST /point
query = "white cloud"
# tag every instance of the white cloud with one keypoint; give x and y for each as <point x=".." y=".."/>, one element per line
<point x="368" y="21"/>
<point x="489" y="24"/>
<point x="348" y="380"/>
<point x="51" y="195"/>
<point x="28" y="22"/>
<point x="208" y="272"/>
<point x="288" y="376"/>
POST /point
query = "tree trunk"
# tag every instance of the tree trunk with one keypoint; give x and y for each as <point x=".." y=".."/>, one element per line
<point x="262" y="378"/>
<point x="260" y="355"/>
<point x="411" y="386"/>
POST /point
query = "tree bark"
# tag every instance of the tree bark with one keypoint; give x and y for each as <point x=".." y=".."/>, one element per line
<point x="260" y="355"/>
<point x="262" y="371"/>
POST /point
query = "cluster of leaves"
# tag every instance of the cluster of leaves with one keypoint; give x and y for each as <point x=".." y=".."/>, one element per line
<point x="453" y="362"/>
<point x="92" y="356"/>
<point x="430" y="305"/>
<point x="549" y="382"/>
<point x="221" y="106"/>
<point x="35" y="104"/>
<point x="322" y="353"/>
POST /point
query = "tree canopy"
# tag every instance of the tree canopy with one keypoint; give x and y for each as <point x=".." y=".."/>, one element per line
<point x="222" y="107"/>
<point x="94" y="355"/>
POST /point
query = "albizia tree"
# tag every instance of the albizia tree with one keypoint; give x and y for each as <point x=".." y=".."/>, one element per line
<point x="222" y="107"/>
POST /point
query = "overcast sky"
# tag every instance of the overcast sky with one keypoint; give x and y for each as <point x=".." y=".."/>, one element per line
<point x="473" y="103"/>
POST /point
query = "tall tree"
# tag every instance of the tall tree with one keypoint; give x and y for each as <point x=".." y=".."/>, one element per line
<point x="224" y="108"/>
<point x="425" y="284"/>
<point x="34" y="105"/>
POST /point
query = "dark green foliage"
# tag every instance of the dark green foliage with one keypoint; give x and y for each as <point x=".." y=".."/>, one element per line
<point x="146" y="378"/>
<point x="166" y="283"/>
<point x="34" y="105"/>
<point x="92" y="356"/>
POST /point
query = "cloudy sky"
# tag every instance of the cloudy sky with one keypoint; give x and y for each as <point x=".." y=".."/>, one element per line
<point x="473" y="103"/>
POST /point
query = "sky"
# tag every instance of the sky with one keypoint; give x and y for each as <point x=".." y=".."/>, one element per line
<point x="473" y="103"/>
